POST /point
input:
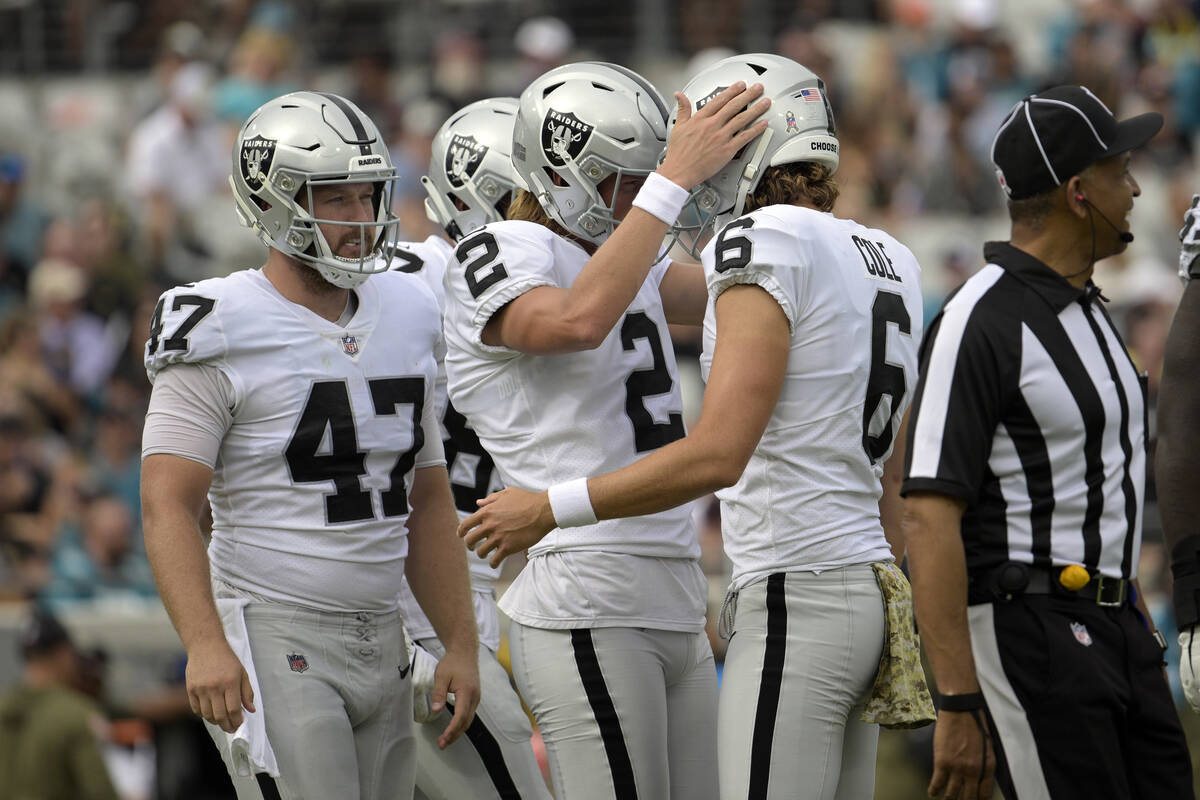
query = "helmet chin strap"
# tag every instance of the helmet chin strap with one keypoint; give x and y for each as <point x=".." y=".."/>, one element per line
<point x="751" y="171"/>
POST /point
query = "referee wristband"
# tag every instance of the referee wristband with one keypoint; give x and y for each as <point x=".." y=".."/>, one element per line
<point x="571" y="504"/>
<point x="972" y="701"/>
<point x="661" y="197"/>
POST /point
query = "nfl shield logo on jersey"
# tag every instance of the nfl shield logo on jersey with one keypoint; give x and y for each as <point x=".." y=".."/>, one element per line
<point x="1081" y="634"/>
<point x="297" y="662"/>
<point x="350" y="344"/>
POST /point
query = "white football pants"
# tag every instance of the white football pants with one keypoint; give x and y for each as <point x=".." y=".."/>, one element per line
<point x="624" y="712"/>
<point x="801" y="661"/>
<point x="337" y="709"/>
<point x="493" y="759"/>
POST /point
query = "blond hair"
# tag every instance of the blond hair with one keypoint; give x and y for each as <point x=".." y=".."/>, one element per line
<point x="525" y="207"/>
<point x="804" y="182"/>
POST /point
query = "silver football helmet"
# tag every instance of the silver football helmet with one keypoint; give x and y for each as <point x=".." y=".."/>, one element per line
<point x="471" y="167"/>
<point x="307" y="139"/>
<point x="800" y="127"/>
<point x="582" y="123"/>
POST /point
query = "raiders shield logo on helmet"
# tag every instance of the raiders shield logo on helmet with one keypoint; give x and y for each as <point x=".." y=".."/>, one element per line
<point x="257" y="154"/>
<point x="564" y="137"/>
<point x="463" y="157"/>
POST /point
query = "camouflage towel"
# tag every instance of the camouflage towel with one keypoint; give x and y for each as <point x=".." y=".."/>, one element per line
<point x="899" y="698"/>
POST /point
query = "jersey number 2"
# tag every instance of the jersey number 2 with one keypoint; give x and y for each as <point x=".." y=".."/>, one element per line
<point x="885" y="378"/>
<point x="648" y="434"/>
<point x="328" y="408"/>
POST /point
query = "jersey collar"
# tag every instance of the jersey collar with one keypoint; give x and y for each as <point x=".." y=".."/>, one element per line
<point x="1056" y="290"/>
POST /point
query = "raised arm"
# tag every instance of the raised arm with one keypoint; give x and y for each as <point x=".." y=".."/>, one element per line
<point x="548" y="320"/>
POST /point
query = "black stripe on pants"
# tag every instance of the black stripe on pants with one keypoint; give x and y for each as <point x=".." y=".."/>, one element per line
<point x="266" y="785"/>
<point x="601" y="702"/>
<point x="492" y="757"/>
<point x="768" y="690"/>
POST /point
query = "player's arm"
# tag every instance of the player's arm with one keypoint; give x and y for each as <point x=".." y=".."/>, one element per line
<point x="891" y="505"/>
<point x="932" y="530"/>
<point x="684" y="293"/>
<point x="1174" y="465"/>
<point x="548" y="320"/>
<point x="173" y="492"/>
<point x="748" y="368"/>
<point x="437" y="573"/>
<point x="189" y="414"/>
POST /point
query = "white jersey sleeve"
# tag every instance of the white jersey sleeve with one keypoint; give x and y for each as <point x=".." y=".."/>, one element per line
<point x="495" y="265"/>
<point x="759" y="250"/>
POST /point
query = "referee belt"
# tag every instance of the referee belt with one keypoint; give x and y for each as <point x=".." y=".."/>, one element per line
<point x="1014" y="578"/>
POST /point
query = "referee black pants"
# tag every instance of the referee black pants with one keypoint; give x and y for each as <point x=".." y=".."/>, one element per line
<point x="1078" y="701"/>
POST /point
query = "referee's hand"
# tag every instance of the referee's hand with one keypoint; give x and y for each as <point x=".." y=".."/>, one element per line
<point x="963" y="761"/>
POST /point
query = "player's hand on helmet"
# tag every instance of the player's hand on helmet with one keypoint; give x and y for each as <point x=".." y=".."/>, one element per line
<point x="1189" y="665"/>
<point x="1189" y="243"/>
<point x="424" y="666"/>
<point x="456" y="684"/>
<point x="704" y="141"/>
<point x="217" y="685"/>
<point x="963" y="760"/>
<point x="507" y="522"/>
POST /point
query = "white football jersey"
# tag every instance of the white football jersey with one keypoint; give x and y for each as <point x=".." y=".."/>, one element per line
<point x="809" y="498"/>
<point x="310" y="490"/>
<point x="472" y="474"/>
<point x="548" y="419"/>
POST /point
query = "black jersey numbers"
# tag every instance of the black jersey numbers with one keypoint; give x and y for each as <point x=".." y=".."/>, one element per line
<point x="462" y="443"/>
<point x="406" y="260"/>
<point x="178" y="339"/>
<point x="884" y="378"/>
<point x="475" y="253"/>
<point x="733" y="252"/>
<point x="641" y="383"/>
<point x="328" y="411"/>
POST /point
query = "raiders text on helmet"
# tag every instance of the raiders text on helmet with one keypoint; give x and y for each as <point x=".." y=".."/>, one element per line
<point x="577" y="125"/>
<point x="471" y="165"/>
<point x="800" y="127"/>
<point x="302" y="140"/>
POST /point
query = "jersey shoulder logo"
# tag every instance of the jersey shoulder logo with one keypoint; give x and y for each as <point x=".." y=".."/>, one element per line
<point x="257" y="155"/>
<point x="564" y="137"/>
<point x="463" y="157"/>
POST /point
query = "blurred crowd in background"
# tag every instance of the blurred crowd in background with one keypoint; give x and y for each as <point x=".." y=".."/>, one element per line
<point x="116" y="126"/>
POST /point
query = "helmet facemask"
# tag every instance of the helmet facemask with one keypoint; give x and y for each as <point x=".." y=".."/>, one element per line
<point x="301" y="142"/>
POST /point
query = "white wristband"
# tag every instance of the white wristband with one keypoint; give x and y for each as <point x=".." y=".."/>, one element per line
<point x="571" y="504"/>
<point x="661" y="197"/>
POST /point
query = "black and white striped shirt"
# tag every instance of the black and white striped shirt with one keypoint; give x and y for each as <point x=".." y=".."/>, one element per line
<point x="1030" y="409"/>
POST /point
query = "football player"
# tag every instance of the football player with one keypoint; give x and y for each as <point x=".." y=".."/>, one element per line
<point x="810" y="356"/>
<point x="1178" y="440"/>
<point x="300" y="398"/>
<point x="470" y="183"/>
<point x="560" y="380"/>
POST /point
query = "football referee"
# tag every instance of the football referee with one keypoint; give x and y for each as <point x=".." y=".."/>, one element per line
<point x="1025" y="485"/>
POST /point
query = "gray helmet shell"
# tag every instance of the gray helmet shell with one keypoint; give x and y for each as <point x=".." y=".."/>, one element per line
<point x="800" y="127"/>
<point x="584" y="122"/>
<point x="471" y="161"/>
<point x="306" y="139"/>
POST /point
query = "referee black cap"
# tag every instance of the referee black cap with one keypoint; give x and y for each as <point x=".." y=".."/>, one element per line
<point x="1050" y="136"/>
